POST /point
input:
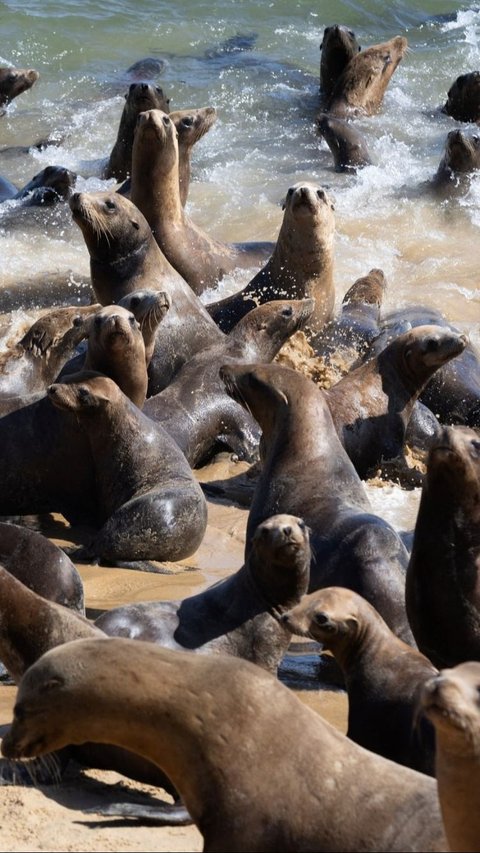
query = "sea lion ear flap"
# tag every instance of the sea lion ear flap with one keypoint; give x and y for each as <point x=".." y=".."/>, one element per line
<point x="52" y="684"/>
<point x="135" y="224"/>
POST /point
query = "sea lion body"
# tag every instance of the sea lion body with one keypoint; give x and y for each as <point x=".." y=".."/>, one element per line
<point x="339" y="45"/>
<point x="301" y="265"/>
<point x="443" y="603"/>
<point x="372" y="404"/>
<point x="361" y="87"/>
<point x="199" y="259"/>
<point x="152" y="507"/>
<point x="240" y="615"/>
<point x="347" y="144"/>
<point x="383" y="675"/>
<point x="124" y="257"/>
<point x="195" y="408"/>
<point x="195" y="728"/>
<point x="305" y="467"/>
<point x="140" y="96"/>
<point x="450" y="701"/>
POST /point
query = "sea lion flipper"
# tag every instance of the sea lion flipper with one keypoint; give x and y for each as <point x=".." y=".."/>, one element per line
<point x="163" y="814"/>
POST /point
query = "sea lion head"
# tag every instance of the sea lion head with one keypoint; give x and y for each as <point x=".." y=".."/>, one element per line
<point x="308" y="200"/>
<point x="463" y="98"/>
<point x="113" y="328"/>
<point x="112" y="226"/>
<point x="279" y="558"/>
<point x="149" y="307"/>
<point x="451" y="701"/>
<point x="328" y="616"/>
<point x="191" y="125"/>
<point x="15" y="81"/>
<point x="84" y="393"/>
<point x="267" y="327"/>
<point x="453" y="467"/>
<point x="145" y="96"/>
<point x="462" y="152"/>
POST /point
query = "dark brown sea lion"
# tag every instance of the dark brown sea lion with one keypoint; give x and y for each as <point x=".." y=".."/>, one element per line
<point x="195" y="408"/>
<point x="56" y="179"/>
<point x="347" y="337"/>
<point x="339" y="44"/>
<point x="200" y="260"/>
<point x="151" y="505"/>
<point x="124" y="257"/>
<point x="146" y="69"/>
<point x="301" y="265"/>
<point x="372" y="404"/>
<point x="347" y="144"/>
<point x="41" y="566"/>
<point x="383" y="675"/>
<point x="361" y="87"/>
<point x="453" y="392"/>
<point x="450" y="701"/>
<point x="306" y="472"/>
<point x="116" y="348"/>
<point x="13" y="82"/>
<point x="240" y="615"/>
<point x="442" y="588"/>
<point x="463" y="98"/>
<point x="191" y="126"/>
<point x="225" y="731"/>
<point x="460" y="158"/>
<point x="140" y="97"/>
<point x="50" y="328"/>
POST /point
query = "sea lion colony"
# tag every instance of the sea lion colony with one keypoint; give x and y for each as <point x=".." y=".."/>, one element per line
<point x="115" y="463"/>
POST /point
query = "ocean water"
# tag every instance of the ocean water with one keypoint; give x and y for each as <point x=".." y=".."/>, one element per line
<point x="264" y="139"/>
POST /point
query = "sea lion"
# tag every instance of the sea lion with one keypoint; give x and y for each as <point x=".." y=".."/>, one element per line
<point x="347" y="144"/>
<point x="460" y="158"/>
<point x="149" y="308"/>
<point x="240" y="615"/>
<point x="338" y="46"/>
<point x="344" y="339"/>
<point x="50" y="328"/>
<point x="306" y="472"/>
<point x="442" y="598"/>
<point x="116" y="348"/>
<point x="199" y="259"/>
<point x="301" y="264"/>
<point x="226" y="732"/>
<point x="361" y="86"/>
<point x="372" y="404"/>
<point x="383" y="675"/>
<point x="30" y="625"/>
<point x="463" y="98"/>
<point x="41" y="566"/>
<point x="450" y="701"/>
<point x="13" y="82"/>
<point x="140" y="96"/>
<point x="146" y="69"/>
<point x="453" y="392"/>
<point x="191" y="126"/>
<point x="56" y="179"/>
<point x="195" y="408"/>
<point x="124" y="257"/>
<point x="151" y="505"/>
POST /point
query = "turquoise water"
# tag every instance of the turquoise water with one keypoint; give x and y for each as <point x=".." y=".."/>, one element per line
<point x="264" y="139"/>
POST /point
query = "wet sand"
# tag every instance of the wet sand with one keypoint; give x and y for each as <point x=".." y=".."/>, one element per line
<point x="51" y="817"/>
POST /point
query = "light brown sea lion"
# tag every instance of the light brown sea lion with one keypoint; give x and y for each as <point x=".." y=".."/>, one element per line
<point x="339" y="45"/>
<point x="348" y="145"/>
<point x="460" y="158"/>
<point x="361" y="86"/>
<point x="450" y="701"/>
<point x="191" y="126"/>
<point x="200" y="260"/>
<point x="116" y="348"/>
<point x="124" y="257"/>
<point x="195" y="408"/>
<point x="149" y="308"/>
<point x="151" y="505"/>
<point x="240" y="615"/>
<point x="442" y="588"/>
<point x="301" y="265"/>
<point x="140" y="96"/>
<point x="463" y="98"/>
<point x="383" y="675"/>
<point x="306" y="472"/>
<point x="226" y="733"/>
<point x="13" y="82"/>
<point x="372" y="404"/>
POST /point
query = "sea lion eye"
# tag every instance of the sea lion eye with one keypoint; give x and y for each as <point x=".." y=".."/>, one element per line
<point x="110" y="205"/>
<point x="476" y="446"/>
<point x="290" y="192"/>
<point x="135" y="300"/>
<point x="288" y="311"/>
<point x="132" y="320"/>
<point x="187" y="121"/>
<point x="83" y="395"/>
<point x="321" y="194"/>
